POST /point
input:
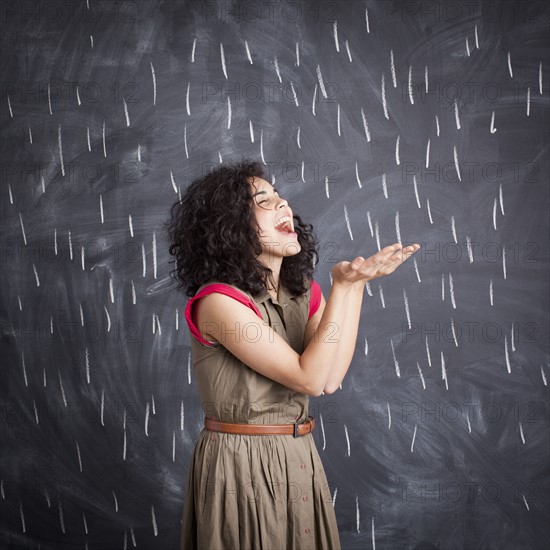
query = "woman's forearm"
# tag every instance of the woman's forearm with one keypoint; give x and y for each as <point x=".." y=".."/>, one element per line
<point x="330" y="350"/>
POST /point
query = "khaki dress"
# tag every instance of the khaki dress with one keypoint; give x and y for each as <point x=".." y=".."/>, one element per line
<point x="255" y="491"/>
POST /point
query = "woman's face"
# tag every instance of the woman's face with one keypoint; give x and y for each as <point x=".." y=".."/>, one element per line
<point x="274" y="221"/>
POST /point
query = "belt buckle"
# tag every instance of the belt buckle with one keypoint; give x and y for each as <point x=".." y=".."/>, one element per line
<point x="296" y="424"/>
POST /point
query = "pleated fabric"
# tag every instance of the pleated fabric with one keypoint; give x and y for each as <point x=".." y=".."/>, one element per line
<point x="266" y="492"/>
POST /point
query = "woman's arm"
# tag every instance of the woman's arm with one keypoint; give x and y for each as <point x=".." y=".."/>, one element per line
<point x="328" y="355"/>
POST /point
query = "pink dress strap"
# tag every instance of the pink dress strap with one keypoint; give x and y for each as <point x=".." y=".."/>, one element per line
<point x="314" y="298"/>
<point x="209" y="289"/>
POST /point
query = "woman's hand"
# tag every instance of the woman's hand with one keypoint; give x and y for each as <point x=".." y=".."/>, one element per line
<point x="384" y="262"/>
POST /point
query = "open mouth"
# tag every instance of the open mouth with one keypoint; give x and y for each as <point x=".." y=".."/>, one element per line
<point x="284" y="225"/>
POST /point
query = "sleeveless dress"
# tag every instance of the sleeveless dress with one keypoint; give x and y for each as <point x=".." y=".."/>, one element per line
<point x="245" y="492"/>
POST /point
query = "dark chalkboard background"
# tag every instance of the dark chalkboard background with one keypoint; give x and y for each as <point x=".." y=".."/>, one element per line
<point x="439" y="435"/>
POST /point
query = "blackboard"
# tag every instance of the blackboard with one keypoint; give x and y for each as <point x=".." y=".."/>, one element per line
<point x="380" y="121"/>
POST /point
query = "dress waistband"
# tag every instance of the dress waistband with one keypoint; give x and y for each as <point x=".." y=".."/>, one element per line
<point x="297" y="429"/>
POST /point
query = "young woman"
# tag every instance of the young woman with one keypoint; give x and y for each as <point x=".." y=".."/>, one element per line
<point x="263" y="339"/>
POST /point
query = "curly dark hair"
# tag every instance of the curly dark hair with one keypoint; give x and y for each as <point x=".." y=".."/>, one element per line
<point x="212" y="235"/>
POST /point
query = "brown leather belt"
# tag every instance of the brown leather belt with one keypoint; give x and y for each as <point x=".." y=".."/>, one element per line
<point x="297" y="429"/>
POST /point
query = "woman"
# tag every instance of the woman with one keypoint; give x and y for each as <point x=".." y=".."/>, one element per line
<point x="263" y="339"/>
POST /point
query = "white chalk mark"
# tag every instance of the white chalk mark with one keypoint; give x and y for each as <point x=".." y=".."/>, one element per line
<point x="61" y="520"/>
<point x="82" y="258"/>
<point x="397" y="231"/>
<point x="367" y="20"/>
<point x="276" y="61"/>
<point x="314" y="99"/>
<point x="334" y="496"/>
<point x="338" y="119"/>
<point x="36" y="275"/>
<point x="193" y="50"/>
<point x="146" y="426"/>
<point x="115" y="500"/>
<point x="357" y="515"/>
<point x="154" y="520"/>
<point x="298" y="138"/>
<point x="30" y="135"/>
<point x="9" y="106"/>
<point x="501" y="198"/>
<point x="223" y="60"/>
<point x="303" y="180"/>
<point x="512" y="335"/>
<point x="421" y="375"/>
<point x="35" y="411"/>
<point x="469" y="249"/>
<point x="126" y="112"/>
<point x="173" y="182"/>
<point x="130" y="225"/>
<point x="347" y="222"/>
<point x="87" y="356"/>
<point x="510" y="66"/>
<point x="85" y="523"/>
<point x="540" y="77"/>
<point x="411" y="98"/>
<point x="24" y="369"/>
<point x="495" y="214"/>
<point x="228" y="112"/>
<point x="11" y="194"/>
<point x="262" y="146"/>
<point x="389" y="414"/>
<point x="248" y="52"/>
<point x="426" y="77"/>
<point x="22" y="228"/>
<point x="384" y="189"/>
<point x="493" y="129"/>
<point x="349" y="53"/>
<point x="397" y="161"/>
<point x="521" y="433"/>
<point x="335" y="32"/>
<point x="528" y="101"/>
<point x="366" y="347"/>
<point x="321" y="83"/>
<point x="91" y="41"/>
<point x="444" y="371"/>
<point x="251" y="130"/>
<point x="477" y="38"/>
<point x="384" y="103"/>
<point x="296" y="97"/>
<point x="507" y="355"/>
<point x="124" y="440"/>
<point x="467" y="47"/>
<point x="326" y="187"/>
<point x="185" y="141"/>
<point x="88" y="138"/>
<point x="377" y="233"/>
<point x="407" y="312"/>
<point x="381" y="292"/>
<point x="453" y="331"/>
<point x="428" y="154"/>
<point x="104" y="144"/>
<point x="428" y="355"/>
<point x="70" y="245"/>
<point x="365" y="124"/>
<point x="491" y="291"/>
<point x="369" y="220"/>
<point x="437" y="125"/>
<point x="451" y="291"/>
<point x="468" y="422"/>
<point x="455" y="154"/>
<point x="60" y="146"/>
<point x="347" y="440"/>
<point x="416" y="191"/>
<point x="357" y="175"/>
<point x="154" y="255"/>
<point x="453" y="229"/>
<point x="189" y="367"/>
<point x="49" y="99"/>
<point x="297" y="54"/>
<point x="173" y="446"/>
<point x="154" y="78"/>
<point x="525" y="501"/>
<point x="187" y="104"/>
<point x="143" y="260"/>
<point x="62" y="389"/>
<point x="81" y="314"/>
<point x="392" y="67"/>
<point x="543" y="376"/>
<point x="79" y="457"/>
<point x="415" y="263"/>
<point x="457" y="117"/>
<point x="414" y="437"/>
<point x="395" y="362"/>
<point x="101" y="208"/>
